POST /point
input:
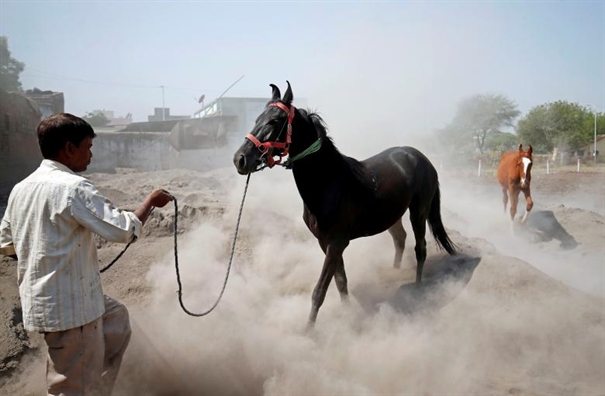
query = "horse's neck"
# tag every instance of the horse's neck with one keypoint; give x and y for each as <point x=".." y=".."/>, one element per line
<point x="318" y="173"/>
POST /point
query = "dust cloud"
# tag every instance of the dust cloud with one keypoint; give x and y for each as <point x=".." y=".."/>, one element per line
<point x="483" y="322"/>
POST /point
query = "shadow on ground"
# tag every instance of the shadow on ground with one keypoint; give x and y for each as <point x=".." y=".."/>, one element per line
<point x="444" y="277"/>
<point x="545" y="227"/>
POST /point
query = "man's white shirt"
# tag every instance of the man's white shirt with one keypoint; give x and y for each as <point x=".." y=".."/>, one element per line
<point x="50" y="221"/>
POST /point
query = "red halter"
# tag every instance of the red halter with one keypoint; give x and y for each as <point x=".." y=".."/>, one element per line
<point x="264" y="147"/>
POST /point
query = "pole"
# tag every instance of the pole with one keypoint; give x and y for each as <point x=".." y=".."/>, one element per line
<point x="479" y="168"/>
<point x="163" y="105"/>
<point x="578" y="168"/>
<point x="230" y="86"/>
<point x="547" y="166"/>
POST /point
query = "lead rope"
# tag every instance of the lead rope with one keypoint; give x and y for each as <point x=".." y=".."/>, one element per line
<point x="176" y="256"/>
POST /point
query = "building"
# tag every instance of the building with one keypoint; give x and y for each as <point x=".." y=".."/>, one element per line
<point x="588" y="150"/>
<point x="204" y="142"/>
<point x="157" y="115"/>
<point x="243" y="110"/>
<point x="48" y="102"/>
<point x="113" y="120"/>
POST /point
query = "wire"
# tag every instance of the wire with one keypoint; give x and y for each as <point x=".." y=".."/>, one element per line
<point x="55" y="76"/>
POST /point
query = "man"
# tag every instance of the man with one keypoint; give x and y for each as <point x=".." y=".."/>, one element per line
<point x="49" y="226"/>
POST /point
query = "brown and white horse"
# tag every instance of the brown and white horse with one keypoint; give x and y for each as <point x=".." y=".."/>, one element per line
<point x="514" y="175"/>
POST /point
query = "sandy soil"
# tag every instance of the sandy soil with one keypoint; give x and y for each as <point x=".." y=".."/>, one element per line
<point x="520" y="314"/>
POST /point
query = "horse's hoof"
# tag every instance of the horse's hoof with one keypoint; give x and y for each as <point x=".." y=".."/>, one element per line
<point x="310" y="327"/>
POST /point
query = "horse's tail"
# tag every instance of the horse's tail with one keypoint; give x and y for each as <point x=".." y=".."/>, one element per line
<point x="436" y="225"/>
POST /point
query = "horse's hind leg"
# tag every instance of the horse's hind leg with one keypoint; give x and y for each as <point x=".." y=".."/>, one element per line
<point x="418" y="221"/>
<point x="399" y="235"/>
<point x="505" y="198"/>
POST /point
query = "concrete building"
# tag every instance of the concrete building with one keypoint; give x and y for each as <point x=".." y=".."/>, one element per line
<point x="113" y="120"/>
<point x="587" y="151"/>
<point x="48" y="102"/>
<point x="204" y="142"/>
<point x="157" y="115"/>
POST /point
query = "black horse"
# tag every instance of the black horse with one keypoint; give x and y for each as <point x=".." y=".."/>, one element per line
<point x="344" y="198"/>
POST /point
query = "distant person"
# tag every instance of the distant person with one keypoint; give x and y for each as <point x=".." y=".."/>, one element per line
<point x="49" y="226"/>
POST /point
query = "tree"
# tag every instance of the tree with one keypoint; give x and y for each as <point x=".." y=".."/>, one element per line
<point x="96" y="118"/>
<point x="501" y="141"/>
<point x="478" y="116"/>
<point x="558" y="124"/>
<point x="10" y="68"/>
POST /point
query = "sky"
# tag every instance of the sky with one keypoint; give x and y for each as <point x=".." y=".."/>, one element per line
<point x="360" y="64"/>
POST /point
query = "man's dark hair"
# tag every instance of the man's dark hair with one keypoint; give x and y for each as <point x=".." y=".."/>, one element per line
<point x="58" y="129"/>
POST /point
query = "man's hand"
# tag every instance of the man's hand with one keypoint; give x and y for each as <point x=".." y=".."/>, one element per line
<point x="159" y="197"/>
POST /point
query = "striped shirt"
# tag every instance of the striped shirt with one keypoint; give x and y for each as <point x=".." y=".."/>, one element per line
<point x="50" y="221"/>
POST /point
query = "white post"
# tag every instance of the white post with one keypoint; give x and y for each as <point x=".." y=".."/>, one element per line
<point x="163" y="105"/>
<point x="479" y="169"/>
<point x="547" y="166"/>
<point x="578" y="169"/>
<point x="595" y="134"/>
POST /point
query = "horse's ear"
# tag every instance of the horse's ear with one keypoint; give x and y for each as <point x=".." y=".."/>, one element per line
<point x="530" y="150"/>
<point x="521" y="147"/>
<point x="287" y="99"/>
<point x="276" y="93"/>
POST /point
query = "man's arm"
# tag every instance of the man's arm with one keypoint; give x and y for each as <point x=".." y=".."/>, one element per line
<point x="6" y="240"/>
<point x="158" y="198"/>
<point x="95" y="212"/>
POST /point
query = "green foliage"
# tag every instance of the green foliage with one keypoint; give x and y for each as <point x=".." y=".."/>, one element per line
<point x="96" y="119"/>
<point x="476" y="118"/>
<point x="10" y="68"/>
<point x="501" y="142"/>
<point x="561" y="124"/>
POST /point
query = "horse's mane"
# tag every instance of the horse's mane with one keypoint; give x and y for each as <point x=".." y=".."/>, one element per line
<point x="358" y="171"/>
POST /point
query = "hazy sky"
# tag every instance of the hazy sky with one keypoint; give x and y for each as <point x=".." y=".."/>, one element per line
<point x="357" y="62"/>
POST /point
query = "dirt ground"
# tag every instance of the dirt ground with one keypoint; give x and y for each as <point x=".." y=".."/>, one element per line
<point x="520" y="313"/>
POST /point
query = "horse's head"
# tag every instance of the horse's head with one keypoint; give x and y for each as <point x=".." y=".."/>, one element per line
<point x="270" y="137"/>
<point x="524" y="165"/>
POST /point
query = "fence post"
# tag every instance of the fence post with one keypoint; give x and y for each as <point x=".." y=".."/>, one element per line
<point x="479" y="169"/>
<point x="547" y="166"/>
<point x="578" y="170"/>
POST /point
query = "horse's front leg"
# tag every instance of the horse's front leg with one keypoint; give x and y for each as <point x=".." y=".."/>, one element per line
<point x="341" y="281"/>
<point x="331" y="262"/>
<point x="514" y="200"/>
<point x="529" y="202"/>
<point x="340" y="276"/>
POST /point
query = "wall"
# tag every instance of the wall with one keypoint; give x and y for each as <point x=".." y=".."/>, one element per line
<point x="145" y="151"/>
<point x="151" y="151"/>
<point x="19" y="150"/>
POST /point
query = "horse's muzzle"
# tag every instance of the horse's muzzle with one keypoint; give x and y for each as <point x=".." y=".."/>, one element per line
<point x="239" y="160"/>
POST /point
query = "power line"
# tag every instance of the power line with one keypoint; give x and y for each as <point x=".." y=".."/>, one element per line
<point x="56" y="76"/>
